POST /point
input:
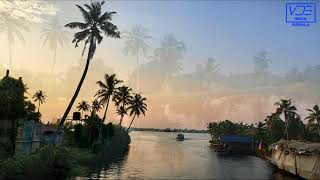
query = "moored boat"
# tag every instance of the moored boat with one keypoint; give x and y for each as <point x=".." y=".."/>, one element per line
<point x="180" y="137"/>
<point x="298" y="158"/>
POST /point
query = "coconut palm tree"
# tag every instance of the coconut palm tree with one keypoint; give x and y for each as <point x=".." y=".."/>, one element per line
<point x="107" y="90"/>
<point x="314" y="117"/>
<point x="12" y="27"/>
<point x="122" y="99"/>
<point x="136" y="45"/>
<point x="121" y="111"/>
<point x="96" y="106"/>
<point x="284" y="106"/>
<point x="94" y="25"/>
<point x="39" y="96"/>
<point x="54" y="36"/>
<point x="83" y="106"/>
<point x="170" y="53"/>
<point x="137" y="107"/>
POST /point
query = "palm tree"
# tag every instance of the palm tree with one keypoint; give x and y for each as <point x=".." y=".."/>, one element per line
<point x="54" y="36"/>
<point x="96" y="106"/>
<point x="170" y="53"/>
<point x="122" y="98"/>
<point x="136" y="107"/>
<point x="107" y="90"/>
<point x="121" y="111"/>
<point x="83" y="106"/>
<point x="314" y="116"/>
<point x="39" y="96"/>
<point x="13" y="27"/>
<point x="95" y="23"/>
<point x="135" y="44"/>
<point x="284" y="106"/>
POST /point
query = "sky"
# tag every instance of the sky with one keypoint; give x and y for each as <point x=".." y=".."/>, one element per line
<point x="231" y="32"/>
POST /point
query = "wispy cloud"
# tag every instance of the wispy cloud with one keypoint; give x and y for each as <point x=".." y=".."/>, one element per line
<point x="30" y="10"/>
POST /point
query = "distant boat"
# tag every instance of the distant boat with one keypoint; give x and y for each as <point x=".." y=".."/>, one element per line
<point x="180" y="137"/>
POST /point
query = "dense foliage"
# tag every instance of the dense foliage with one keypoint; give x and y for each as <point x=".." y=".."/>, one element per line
<point x="274" y="127"/>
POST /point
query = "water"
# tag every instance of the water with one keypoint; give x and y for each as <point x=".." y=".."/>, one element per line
<point x="157" y="155"/>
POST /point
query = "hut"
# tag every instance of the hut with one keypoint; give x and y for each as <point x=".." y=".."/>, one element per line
<point x="298" y="158"/>
<point x="29" y="138"/>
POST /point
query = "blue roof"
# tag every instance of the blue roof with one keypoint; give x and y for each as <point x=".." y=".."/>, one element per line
<point x="235" y="139"/>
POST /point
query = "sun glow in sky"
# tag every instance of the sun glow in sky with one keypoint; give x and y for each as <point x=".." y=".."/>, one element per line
<point x="230" y="32"/>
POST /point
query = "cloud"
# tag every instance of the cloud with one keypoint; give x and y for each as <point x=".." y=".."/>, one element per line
<point x="32" y="10"/>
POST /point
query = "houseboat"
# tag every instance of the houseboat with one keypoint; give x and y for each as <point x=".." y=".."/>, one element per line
<point x="298" y="158"/>
<point x="234" y="144"/>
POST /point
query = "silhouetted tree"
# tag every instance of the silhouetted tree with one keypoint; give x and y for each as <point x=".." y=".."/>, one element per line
<point x="107" y="90"/>
<point x="95" y="24"/>
<point x="39" y="96"/>
<point x="137" y="106"/>
<point x="83" y="106"/>
<point x="135" y="44"/>
<point x="54" y="36"/>
<point x="314" y="117"/>
<point x="284" y="106"/>
<point x="96" y="106"/>
<point x="122" y="99"/>
<point x="121" y="111"/>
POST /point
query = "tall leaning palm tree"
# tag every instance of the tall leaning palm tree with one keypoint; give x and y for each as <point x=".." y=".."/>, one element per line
<point x="12" y="27"/>
<point x="137" y="107"/>
<point x="314" y="116"/>
<point x="284" y="106"/>
<point x="94" y="26"/>
<point x="54" y="36"/>
<point x="39" y="96"/>
<point x="136" y="45"/>
<point x="122" y="99"/>
<point x="83" y="106"/>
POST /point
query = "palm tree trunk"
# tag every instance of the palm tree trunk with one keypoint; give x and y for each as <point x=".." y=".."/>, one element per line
<point x="319" y="127"/>
<point x="131" y="123"/>
<point x="64" y="117"/>
<point x="105" y="112"/>
<point x="53" y="60"/>
<point x="138" y="73"/>
<point x="39" y="107"/>
<point x="287" y="124"/>
<point x="103" y="119"/>
<point x="121" y="120"/>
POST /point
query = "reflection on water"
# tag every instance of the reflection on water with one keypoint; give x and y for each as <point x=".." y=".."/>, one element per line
<point x="158" y="155"/>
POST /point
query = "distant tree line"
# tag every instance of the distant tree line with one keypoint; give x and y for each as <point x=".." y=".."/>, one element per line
<point x="285" y="123"/>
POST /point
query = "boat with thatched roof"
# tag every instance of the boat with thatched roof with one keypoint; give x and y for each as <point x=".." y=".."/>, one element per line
<point x="298" y="158"/>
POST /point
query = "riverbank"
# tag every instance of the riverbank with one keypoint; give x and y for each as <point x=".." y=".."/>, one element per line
<point x="61" y="162"/>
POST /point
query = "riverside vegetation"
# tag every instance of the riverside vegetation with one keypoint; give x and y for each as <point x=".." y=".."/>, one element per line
<point x="284" y="123"/>
<point x="83" y="147"/>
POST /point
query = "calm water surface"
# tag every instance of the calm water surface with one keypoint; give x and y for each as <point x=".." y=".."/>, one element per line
<point x="157" y="155"/>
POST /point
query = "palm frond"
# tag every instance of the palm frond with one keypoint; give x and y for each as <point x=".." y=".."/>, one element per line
<point x="79" y="25"/>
